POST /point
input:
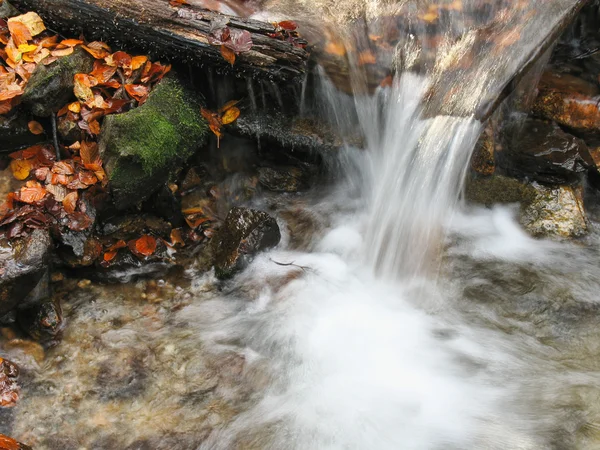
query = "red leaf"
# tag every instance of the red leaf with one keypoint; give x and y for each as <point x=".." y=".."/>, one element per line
<point x="288" y="25"/>
<point x="146" y="245"/>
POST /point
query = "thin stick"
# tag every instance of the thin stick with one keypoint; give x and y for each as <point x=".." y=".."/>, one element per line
<point x="55" y="137"/>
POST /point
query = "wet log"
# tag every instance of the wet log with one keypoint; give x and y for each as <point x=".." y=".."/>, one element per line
<point x="183" y="33"/>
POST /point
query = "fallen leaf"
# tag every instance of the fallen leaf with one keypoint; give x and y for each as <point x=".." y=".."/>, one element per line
<point x="146" y="245"/>
<point x="228" y="105"/>
<point x="32" y="192"/>
<point x="177" y="237"/>
<point x="137" y="91"/>
<point x="178" y="2"/>
<point x="70" y="202"/>
<point x="82" y="88"/>
<point x="287" y="25"/>
<point x="228" y="54"/>
<point x="62" y="52"/>
<point x="35" y="127"/>
<point x="19" y="32"/>
<point x="71" y="42"/>
<point x="33" y="22"/>
<point x="138" y="61"/>
<point x="21" y="168"/>
<point x="230" y="115"/>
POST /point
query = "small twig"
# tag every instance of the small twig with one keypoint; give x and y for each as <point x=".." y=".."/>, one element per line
<point x="305" y="268"/>
<point x="55" y="137"/>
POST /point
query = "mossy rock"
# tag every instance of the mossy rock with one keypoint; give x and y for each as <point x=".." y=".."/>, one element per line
<point x="498" y="189"/>
<point x="142" y="147"/>
<point x="51" y="87"/>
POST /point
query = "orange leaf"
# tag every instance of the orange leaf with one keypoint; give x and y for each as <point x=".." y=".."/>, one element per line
<point x="70" y="202"/>
<point x="62" y="52"/>
<point x="146" y="245"/>
<point x="138" y="61"/>
<point x="137" y="91"/>
<point x="336" y="49"/>
<point x="71" y="42"/>
<point x="228" y="105"/>
<point x="89" y="153"/>
<point x="176" y="237"/>
<point x="31" y="21"/>
<point x="96" y="51"/>
<point x="32" y="192"/>
<point x="20" y="168"/>
<point x="230" y="115"/>
<point x="82" y="87"/>
<point x="7" y="443"/>
<point x="119" y="244"/>
<point x="178" y="2"/>
<point x="288" y="25"/>
<point x="35" y="127"/>
<point x="228" y="54"/>
<point x="74" y="107"/>
<point x="110" y="255"/>
<point x="19" y="32"/>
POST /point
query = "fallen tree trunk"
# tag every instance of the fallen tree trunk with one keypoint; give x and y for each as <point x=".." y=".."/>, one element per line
<point x="182" y="32"/>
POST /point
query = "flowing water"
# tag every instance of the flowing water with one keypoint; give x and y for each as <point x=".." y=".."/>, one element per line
<point x="405" y="320"/>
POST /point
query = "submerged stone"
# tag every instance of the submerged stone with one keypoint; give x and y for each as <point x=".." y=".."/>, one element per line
<point x="282" y="179"/>
<point x="43" y="322"/>
<point x="142" y="147"/>
<point x="244" y="233"/>
<point x="51" y="87"/>
<point x="542" y="151"/>
<point x="23" y="269"/>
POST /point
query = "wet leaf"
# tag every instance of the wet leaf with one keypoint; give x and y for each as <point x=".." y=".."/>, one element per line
<point x="35" y="127"/>
<point x="230" y="115"/>
<point x="21" y="168"/>
<point x="228" y="105"/>
<point x="82" y="88"/>
<point x="177" y="237"/>
<point x="79" y="221"/>
<point x="228" y="54"/>
<point x="137" y="91"/>
<point x="110" y="255"/>
<point x="71" y="42"/>
<point x="287" y="25"/>
<point x="32" y="192"/>
<point x="96" y="50"/>
<point x="146" y="245"/>
<point x="19" y="32"/>
<point x="178" y="2"/>
<point x="89" y="152"/>
<point x="70" y="202"/>
<point x="138" y="61"/>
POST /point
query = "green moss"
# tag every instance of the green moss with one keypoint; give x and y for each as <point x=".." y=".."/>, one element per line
<point x="142" y="147"/>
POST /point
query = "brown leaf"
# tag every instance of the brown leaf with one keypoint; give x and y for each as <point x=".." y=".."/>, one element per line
<point x="79" y="221"/>
<point x="137" y="91"/>
<point x="228" y="54"/>
<point x="178" y="2"/>
<point x="110" y="255"/>
<point x="138" y="61"/>
<point x="32" y="192"/>
<point x="230" y="115"/>
<point x="19" y="32"/>
<point x="62" y="52"/>
<point x="146" y="245"/>
<point x="33" y="22"/>
<point x="70" y="202"/>
<point x="287" y="25"/>
<point x="82" y="88"/>
<point x="89" y="152"/>
<point x="177" y="237"/>
<point x="96" y="51"/>
<point x="35" y="127"/>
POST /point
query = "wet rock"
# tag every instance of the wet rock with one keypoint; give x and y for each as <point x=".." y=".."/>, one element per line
<point x="167" y="205"/>
<point x="483" y="159"/>
<point x="51" y="87"/>
<point x="244" y="233"/>
<point x="9" y="443"/>
<point x="294" y="134"/>
<point x="133" y="226"/>
<point x="283" y="179"/>
<point x="542" y="151"/>
<point x="43" y="322"/>
<point x="143" y="147"/>
<point x="7" y="10"/>
<point x="23" y="265"/>
<point x="556" y="211"/>
<point x="9" y="389"/>
<point x="498" y="189"/>
<point x="568" y="101"/>
<point x="69" y="130"/>
<point x="14" y="132"/>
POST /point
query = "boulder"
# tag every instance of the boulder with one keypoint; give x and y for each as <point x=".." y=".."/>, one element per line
<point x="483" y="160"/>
<point x="557" y="211"/>
<point x="244" y="233"/>
<point x="545" y="211"/>
<point x="51" y="87"/>
<point x="569" y="101"/>
<point x="543" y="152"/>
<point x="143" y="147"/>
<point x="23" y="267"/>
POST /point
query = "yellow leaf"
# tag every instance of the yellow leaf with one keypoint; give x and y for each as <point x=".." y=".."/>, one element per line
<point x="20" y="168"/>
<point x="26" y="48"/>
<point x="32" y="21"/>
<point x="230" y="115"/>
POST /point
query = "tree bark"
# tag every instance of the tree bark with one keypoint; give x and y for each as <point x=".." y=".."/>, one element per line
<point x="181" y="33"/>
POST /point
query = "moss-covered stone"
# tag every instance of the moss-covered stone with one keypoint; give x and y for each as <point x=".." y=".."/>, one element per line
<point x="498" y="189"/>
<point x="142" y="147"/>
<point x="51" y="87"/>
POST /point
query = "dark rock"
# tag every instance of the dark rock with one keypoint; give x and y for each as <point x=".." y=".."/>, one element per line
<point x="7" y="10"/>
<point x="483" y="160"/>
<point x="283" y="179"/>
<point x="51" y="87"/>
<point x="244" y="233"/>
<point x="568" y="101"/>
<point x="302" y="135"/>
<point x="542" y="151"/>
<point x="14" y="132"/>
<point x="133" y="226"/>
<point x="143" y="147"/>
<point x="43" y="322"/>
<point x="23" y="264"/>
<point x="69" y="130"/>
<point x="167" y="205"/>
